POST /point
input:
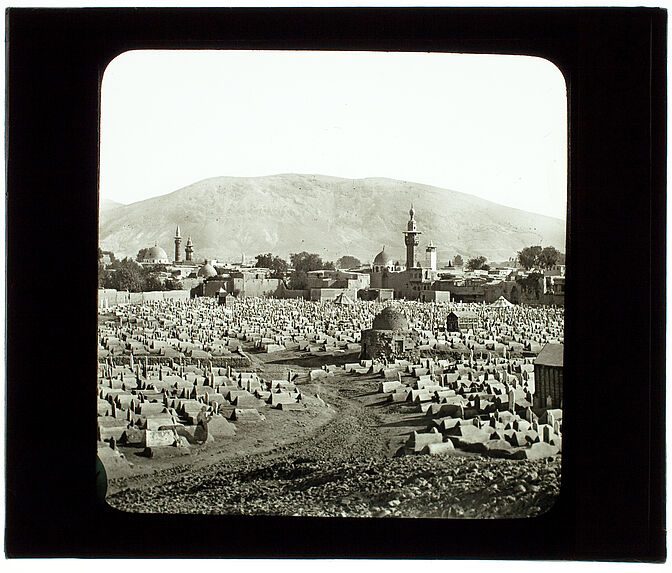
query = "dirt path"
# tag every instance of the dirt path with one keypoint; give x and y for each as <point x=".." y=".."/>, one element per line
<point x="343" y="467"/>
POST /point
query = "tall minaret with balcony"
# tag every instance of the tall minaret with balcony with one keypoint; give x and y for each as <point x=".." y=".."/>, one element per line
<point x="411" y="239"/>
<point x="178" y="243"/>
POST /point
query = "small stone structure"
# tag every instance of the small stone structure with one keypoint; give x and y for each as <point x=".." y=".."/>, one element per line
<point x="548" y="381"/>
<point x="389" y="338"/>
<point x="461" y="320"/>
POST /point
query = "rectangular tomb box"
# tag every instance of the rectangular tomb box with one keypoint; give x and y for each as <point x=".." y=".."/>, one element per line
<point x="154" y="438"/>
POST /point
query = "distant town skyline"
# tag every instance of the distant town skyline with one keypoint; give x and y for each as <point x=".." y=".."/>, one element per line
<point x="491" y="126"/>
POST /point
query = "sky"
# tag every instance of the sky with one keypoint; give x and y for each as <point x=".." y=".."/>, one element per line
<point x="493" y="126"/>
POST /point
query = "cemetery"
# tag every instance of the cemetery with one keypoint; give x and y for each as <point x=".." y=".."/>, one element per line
<point x="195" y="389"/>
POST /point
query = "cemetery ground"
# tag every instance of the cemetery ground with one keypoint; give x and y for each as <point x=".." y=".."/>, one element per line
<point x="335" y="458"/>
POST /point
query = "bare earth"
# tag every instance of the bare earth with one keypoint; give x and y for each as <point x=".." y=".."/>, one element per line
<point x="334" y="460"/>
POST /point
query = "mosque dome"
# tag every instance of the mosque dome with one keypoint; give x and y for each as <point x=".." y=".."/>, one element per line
<point x="382" y="259"/>
<point x="207" y="271"/>
<point x="390" y="319"/>
<point x="156" y="253"/>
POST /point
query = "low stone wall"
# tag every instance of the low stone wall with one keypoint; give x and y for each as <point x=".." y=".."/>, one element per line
<point x="110" y="297"/>
<point x="235" y="361"/>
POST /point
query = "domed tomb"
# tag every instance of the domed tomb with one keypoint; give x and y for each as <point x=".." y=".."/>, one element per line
<point x="207" y="270"/>
<point x="390" y="319"/>
<point x="155" y="255"/>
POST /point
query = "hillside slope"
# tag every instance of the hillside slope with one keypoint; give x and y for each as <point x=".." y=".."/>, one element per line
<point x="282" y="214"/>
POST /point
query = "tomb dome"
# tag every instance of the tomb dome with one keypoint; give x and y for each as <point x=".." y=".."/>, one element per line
<point x="382" y="259"/>
<point x="156" y="253"/>
<point x="390" y="319"/>
<point x="207" y="271"/>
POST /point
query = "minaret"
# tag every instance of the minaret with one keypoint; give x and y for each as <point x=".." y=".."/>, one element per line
<point x="178" y="242"/>
<point x="190" y="250"/>
<point x="411" y="239"/>
<point x="431" y="255"/>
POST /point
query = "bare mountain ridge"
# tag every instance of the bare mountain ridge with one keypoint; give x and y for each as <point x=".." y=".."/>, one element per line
<point x="108" y="204"/>
<point x="282" y="214"/>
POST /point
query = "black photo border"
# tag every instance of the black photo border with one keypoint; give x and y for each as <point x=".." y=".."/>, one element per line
<point x="611" y="505"/>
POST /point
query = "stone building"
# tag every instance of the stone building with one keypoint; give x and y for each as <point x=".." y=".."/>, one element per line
<point x="390" y="336"/>
<point x="461" y="320"/>
<point x="548" y="368"/>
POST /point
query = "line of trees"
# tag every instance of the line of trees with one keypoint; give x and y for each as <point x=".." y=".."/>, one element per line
<point x="128" y="275"/>
<point x="534" y="257"/>
<point x="301" y="263"/>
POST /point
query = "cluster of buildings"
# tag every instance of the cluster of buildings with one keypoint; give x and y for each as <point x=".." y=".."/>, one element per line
<point x="384" y="279"/>
<point x="418" y="280"/>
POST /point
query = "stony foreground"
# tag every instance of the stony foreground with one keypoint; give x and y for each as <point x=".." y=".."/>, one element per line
<point x="398" y="487"/>
<point x="345" y="469"/>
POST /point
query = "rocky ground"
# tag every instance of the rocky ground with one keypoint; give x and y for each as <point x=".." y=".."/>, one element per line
<point x="339" y="465"/>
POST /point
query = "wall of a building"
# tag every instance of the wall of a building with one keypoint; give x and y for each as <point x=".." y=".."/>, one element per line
<point x="376" y="280"/>
<point x="379" y="294"/>
<point x="283" y="292"/>
<point x="547" y="382"/>
<point x="251" y="287"/>
<point x="508" y="289"/>
<point x="435" y="296"/>
<point x="326" y="294"/>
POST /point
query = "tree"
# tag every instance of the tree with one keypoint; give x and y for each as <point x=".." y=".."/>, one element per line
<point x="276" y="264"/>
<point x="548" y="257"/>
<point x="152" y="282"/>
<point x="173" y="284"/>
<point x="457" y="261"/>
<point x="529" y="257"/>
<point x="103" y="277"/>
<point x="102" y="273"/>
<point x="477" y="263"/>
<point x="348" y="262"/>
<point x="128" y="275"/>
<point x="306" y="261"/>
<point x="530" y="284"/>
<point x="142" y="254"/>
<point x="264" y="261"/>
<point x="298" y="280"/>
<point x="514" y="294"/>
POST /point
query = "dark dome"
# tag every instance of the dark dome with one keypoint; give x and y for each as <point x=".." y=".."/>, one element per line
<point x="207" y="271"/>
<point x="382" y="259"/>
<point x="390" y="319"/>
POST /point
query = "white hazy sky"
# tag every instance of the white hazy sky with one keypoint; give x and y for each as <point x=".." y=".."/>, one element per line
<point x="488" y="125"/>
